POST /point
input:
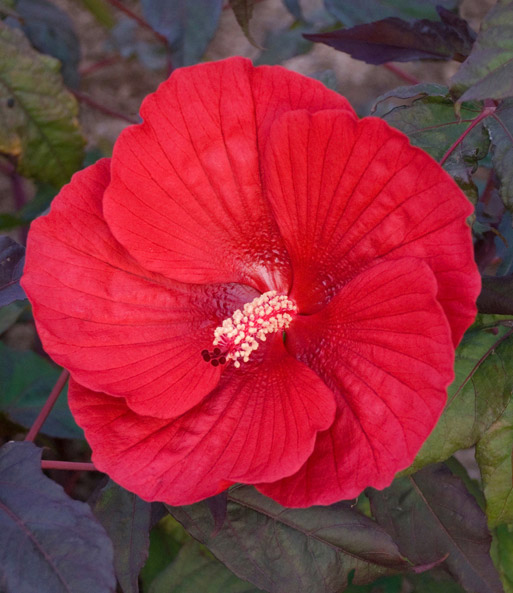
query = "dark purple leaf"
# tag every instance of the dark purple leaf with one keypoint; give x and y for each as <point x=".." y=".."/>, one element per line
<point x="48" y="541"/>
<point x="12" y="259"/>
<point x="496" y="295"/>
<point x="218" y="506"/>
<point x="126" y="518"/>
<point x="283" y="550"/>
<point x="431" y="514"/>
<point x="396" y="40"/>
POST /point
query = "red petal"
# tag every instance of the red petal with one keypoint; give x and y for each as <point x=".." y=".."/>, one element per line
<point x="383" y="345"/>
<point x="186" y="197"/>
<point x="117" y="327"/>
<point x="346" y="193"/>
<point x="259" y="424"/>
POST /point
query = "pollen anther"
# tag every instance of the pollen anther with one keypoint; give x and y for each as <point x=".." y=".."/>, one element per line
<point x="240" y="335"/>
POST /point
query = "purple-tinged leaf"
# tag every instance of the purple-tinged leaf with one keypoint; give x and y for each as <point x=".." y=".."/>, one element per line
<point x="283" y="550"/>
<point x="500" y="128"/>
<point x="188" y="25"/>
<point x="367" y="11"/>
<point x="496" y="295"/>
<point x="431" y="514"/>
<point x="395" y="40"/>
<point x="218" y="506"/>
<point x="488" y="71"/>
<point x="48" y="541"/>
<point x="126" y="519"/>
<point x="12" y="259"/>
<point x="381" y="106"/>
<point x="294" y="8"/>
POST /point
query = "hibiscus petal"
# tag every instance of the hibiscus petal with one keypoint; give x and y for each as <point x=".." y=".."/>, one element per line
<point x="117" y="327"/>
<point x="345" y="193"/>
<point x="383" y="345"/>
<point x="186" y="197"/>
<point x="258" y="425"/>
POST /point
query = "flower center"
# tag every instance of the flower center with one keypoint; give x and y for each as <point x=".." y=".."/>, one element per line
<point x="240" y="335"/>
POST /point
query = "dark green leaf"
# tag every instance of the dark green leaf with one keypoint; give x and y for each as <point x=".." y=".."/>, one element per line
<point x="126" y="519"/>
<point x="502" y="553"/>
<point x="38" y="116"/>
<point x="496" y="295"/>
<point x="101" y="12"/>
<point x="488" y="72"/>
<point x="427" y="583"/>
<point x="431" y="124"/>
<point x="166" y="540"/>
<point x="396" y="40"/>
<point x="26" y="381"/>
<point x="11" y="313"/>
<point x="366" y="11"/>
<point x="243" y="10"/>
<point x="49" y="543"/>
<point x="381" y="105"/>
<point x="500" y="127"/>
<point x="188" y="25"/>
<point x="12" y="259"/>
<point x="478" y="395"/>
<point x="431" y="516"/>
<point x="51" y="31"/>
<point x="283" y="44"/>
<point x="494" y="454"/>
<point x="195" y="569"/>
<point x="283" y="550"/>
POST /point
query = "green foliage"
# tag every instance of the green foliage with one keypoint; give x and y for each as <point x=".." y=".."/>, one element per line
<point x="494" y="454"/>
<point x="502" y="554"/>
<point x="126" y="519"/>
<point x="500" y="128"/>
<point x="243" y="11"/>
<point x="38" y="117"/>
<point x="366" y="11"/>
<point x="318" y="549"/>
<point x="478" y="395"/>
<point x="26" y="381"/>
<point x="434" y="519"/>
<point x="48" y="541"/>
<point x="488" y="72"/>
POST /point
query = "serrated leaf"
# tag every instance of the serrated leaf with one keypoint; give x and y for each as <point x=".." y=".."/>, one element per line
<point x="27" y="379"/>
<point x="502" y="553"/>
<point x="12" y="259"/>
<point x="396" y="40"/>
<point x="282" y="550"/>
<point x="496" y="295"/>
<point x="500" y="128"/>
<point x="48" y="541"/>
<point x="366" y="11"/>
<point x="431" y="123"/>
<point x="38" y="116"/>
<point x="188" y="25"/>
<point x="488" y="71"/>
<point x="494" y="455"/>
<point x="126" y="519"/>
<point x="51" y="31"/>
<point x="478" y="395"/>
<point x="195" y="569"/>
<point x="431" y="515"/>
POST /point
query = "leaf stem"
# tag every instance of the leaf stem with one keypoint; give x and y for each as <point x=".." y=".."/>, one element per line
<point x="47" y="408"/>
<point x="120" y="6"/>
<point x="488" y="109"/>
<point x="91" y="69"/>
<point x="98" y="106"/>
<point x="68" y="465"/>
<point x="401" y="73"/>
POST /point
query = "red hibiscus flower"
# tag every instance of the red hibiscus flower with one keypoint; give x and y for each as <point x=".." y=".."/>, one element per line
<point x="258" y="287"/>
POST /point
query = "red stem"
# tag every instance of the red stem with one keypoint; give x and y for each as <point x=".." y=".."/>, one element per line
<point x="68" y="465"/>
<point x="99" y="65"/>
<point x="488" y="109"/>
<point x="401" y="73"/>
<point x="47" y="408"/>
<point x="92" y="103"/>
